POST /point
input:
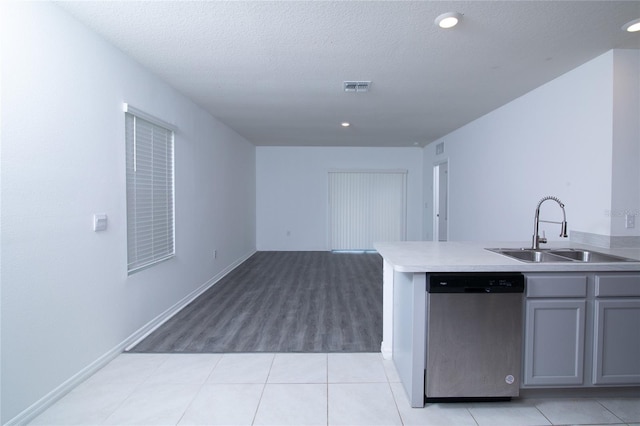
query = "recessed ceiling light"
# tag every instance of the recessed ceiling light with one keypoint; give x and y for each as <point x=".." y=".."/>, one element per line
<point x="345" y="124"/>
<point x="632" y="27"/>
<point x="448" y="20"/>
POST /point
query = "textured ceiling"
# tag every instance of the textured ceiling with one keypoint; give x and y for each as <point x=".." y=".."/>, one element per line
<point x="273" y="71"/>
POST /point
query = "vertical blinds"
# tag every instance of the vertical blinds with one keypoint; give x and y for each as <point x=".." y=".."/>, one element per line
<point x="150" y="201"/>
<point x="366" y="207"/>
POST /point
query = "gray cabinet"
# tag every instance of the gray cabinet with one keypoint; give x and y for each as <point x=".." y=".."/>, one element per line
<point x="616" y="357"/>
<point x="582" y="329"/>
<point x="555" y="319"/>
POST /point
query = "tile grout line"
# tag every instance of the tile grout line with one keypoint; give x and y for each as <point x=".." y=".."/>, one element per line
<point x="393" y="395"/>
<point x="327" y="384"/>
<point x="605" y="407"/>
<point x="395" y="401"/>
<point x="202" y="385"/>
<point x="543" y="415"/>
<point x="264" y="386"/>
<point x="195" y="396"/>
<point x="135" y="388"/>
<point x="472" y="416"/>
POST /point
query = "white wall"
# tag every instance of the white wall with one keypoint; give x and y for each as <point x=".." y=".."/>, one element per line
<point x="555" y="140"/>
<point x="66" y="296"/>
<point x="625" y="196"/>
<point x="292" y="188"/>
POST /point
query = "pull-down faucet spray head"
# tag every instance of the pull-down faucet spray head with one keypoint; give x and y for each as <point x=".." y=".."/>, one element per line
<point x="563" y="225"/>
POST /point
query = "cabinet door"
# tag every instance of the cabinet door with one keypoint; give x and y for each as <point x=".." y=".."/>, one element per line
<point x="617" y="341"/>
<point x="554" y="342"/>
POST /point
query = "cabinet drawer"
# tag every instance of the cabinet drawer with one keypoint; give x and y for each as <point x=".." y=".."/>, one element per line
<point x="618" y="285"/>
<point x="556" y="285"/>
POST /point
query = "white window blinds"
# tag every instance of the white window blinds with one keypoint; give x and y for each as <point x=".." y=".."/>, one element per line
<point x="150" y="201"/>
<point x="366" y="207"/>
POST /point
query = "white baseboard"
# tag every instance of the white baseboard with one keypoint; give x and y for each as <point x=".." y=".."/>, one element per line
<point x="67" y="386"/>
<point x="387" y="351"/>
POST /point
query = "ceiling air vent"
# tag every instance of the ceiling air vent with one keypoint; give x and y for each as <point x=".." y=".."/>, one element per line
<point x="356" y="86"/>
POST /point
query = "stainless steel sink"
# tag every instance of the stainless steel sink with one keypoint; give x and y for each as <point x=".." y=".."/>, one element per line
<point x="530" y="255"/>
<point x="559" y="255"/>
<point x="589" y="256"/>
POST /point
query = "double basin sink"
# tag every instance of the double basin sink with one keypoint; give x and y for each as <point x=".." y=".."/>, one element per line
<point x="559" y="255"/>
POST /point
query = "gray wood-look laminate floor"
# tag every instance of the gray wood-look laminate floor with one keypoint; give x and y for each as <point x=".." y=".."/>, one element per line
<point x="283" y="302"/>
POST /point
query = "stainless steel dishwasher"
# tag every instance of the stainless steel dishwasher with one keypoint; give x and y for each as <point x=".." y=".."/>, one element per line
<point x="474" y="336"/>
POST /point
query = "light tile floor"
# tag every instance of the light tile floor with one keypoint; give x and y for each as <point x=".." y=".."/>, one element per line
<point x="293" y="389"/>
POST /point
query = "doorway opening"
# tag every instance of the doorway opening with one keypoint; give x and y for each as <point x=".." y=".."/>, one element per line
<point x="441" y="201"/>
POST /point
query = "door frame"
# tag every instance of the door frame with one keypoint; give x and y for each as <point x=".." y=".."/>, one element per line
<point x="436" y="199"/>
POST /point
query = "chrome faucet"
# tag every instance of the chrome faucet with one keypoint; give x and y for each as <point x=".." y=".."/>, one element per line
<point x="563" y="225"/>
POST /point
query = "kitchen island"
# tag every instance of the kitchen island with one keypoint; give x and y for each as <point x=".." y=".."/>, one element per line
<point x="591" y="291"/>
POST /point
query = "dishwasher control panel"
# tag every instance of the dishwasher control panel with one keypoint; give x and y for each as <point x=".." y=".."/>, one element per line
<point x="490" y="282"/>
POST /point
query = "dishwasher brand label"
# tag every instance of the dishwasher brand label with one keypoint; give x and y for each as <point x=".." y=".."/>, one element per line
<point x="509" y="379"/>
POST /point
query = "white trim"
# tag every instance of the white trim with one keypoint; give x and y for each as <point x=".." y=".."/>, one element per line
<point x="405" y="171"/>
<point x="148" y="117"/>
<point x="155" y="323"/>
<point x="436" y="199"/>
<point x="436" y="202"/>
<point x="68" y="385"/>
<point x="386" y="346"/>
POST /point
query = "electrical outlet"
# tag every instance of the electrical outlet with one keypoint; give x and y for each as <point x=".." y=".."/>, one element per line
<point x="630" y="221"/>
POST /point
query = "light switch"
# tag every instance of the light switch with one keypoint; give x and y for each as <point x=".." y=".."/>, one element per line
<point x="99" y="222"/>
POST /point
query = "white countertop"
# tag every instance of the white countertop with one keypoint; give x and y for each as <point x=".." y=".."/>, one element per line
<point x="458" y="256"/>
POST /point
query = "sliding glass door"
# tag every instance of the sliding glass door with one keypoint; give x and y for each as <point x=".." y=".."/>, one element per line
<point x="366" y="207"/>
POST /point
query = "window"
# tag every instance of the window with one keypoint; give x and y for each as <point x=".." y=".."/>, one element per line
<point x="150" y="209"/>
